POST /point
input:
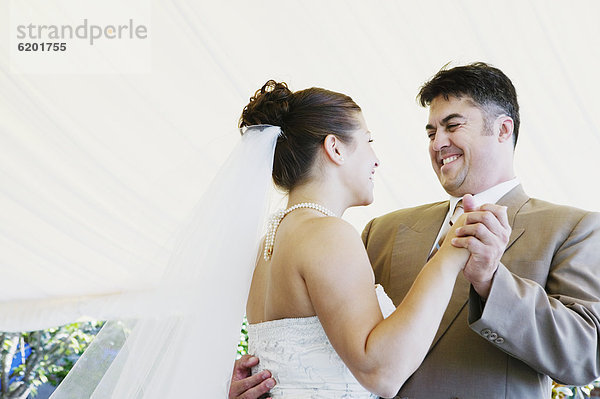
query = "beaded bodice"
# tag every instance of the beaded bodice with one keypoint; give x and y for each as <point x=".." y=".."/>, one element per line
<point x="302" y="360"/>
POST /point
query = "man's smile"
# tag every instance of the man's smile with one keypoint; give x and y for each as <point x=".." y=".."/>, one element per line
<point x="450" y="159"/>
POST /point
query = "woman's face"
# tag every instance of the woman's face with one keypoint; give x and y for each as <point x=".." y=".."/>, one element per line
<point x="360" y="162"/>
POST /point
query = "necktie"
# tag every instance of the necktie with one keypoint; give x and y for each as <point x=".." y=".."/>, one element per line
<point x="458" y="210"/>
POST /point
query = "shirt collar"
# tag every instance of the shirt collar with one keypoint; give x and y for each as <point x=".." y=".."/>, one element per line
<point x="489" y="196"/>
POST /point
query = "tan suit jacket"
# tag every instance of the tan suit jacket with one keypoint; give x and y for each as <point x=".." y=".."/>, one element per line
<point x="542" y="317"/>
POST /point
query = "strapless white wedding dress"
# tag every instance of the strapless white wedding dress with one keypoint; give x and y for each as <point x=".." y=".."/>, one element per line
<point x="302" y="360"/>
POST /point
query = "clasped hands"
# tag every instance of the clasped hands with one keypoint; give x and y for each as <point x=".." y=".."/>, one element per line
<point x="485" y="234"/>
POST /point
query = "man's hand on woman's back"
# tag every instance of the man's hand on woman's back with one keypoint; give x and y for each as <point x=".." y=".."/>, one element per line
<point x="244" y="385"/>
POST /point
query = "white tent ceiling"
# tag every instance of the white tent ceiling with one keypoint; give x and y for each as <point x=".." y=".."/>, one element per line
<point x="118" y="159"/>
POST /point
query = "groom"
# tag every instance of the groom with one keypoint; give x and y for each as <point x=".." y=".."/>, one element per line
<point x="518" y="316"/>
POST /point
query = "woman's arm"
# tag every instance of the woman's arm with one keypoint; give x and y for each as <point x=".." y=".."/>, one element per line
<point x="380" y="353"/>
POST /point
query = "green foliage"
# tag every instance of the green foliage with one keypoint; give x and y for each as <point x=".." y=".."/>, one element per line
<point x="242" y="347"/>
<point x="565" y="392"/>
<point x="53" y="353"/>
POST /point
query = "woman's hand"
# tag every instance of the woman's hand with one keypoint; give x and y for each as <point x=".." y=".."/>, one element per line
<point x="451" y="255"/>
<point x="458" y="255"/>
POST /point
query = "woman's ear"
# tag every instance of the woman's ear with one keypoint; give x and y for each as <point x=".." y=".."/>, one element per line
<point x="334" y="149"/>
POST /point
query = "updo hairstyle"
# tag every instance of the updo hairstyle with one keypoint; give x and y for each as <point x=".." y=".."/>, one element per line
<point x="306" y="117"/>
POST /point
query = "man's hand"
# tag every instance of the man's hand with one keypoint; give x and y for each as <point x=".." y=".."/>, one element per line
<point x="485" y="234"/>
<point x="244" y="385"/>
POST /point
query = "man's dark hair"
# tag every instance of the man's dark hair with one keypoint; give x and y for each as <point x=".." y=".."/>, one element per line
<point x="489" y="87"/>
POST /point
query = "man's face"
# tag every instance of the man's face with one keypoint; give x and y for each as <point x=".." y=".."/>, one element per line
<point x="464" y="151"/>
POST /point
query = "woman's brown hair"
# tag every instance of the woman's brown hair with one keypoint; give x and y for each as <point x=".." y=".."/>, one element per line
<point x="305" y="117"/>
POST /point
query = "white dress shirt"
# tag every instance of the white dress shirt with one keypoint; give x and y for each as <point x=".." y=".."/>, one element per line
<point x="489" y="196"/>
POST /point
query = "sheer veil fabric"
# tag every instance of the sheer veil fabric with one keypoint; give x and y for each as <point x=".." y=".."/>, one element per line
<point x="184" y="330"/>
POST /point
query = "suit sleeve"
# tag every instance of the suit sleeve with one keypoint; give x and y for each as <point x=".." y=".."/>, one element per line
<point x="365" y="232"/>
<point x="555" y="330"/>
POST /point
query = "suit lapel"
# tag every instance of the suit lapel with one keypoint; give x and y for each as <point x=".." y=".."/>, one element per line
<point x="513" y="200"/>
<point x="458" y="300"/>
<point x="411" y="247"/>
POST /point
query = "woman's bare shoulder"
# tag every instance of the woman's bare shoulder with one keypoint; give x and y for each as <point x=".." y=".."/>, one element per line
<point x="331" y="228"/>
<point x="332" y="241"/>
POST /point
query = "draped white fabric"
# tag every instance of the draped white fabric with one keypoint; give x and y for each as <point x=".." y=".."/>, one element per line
<point x="190" y="314"/>
<point x="99" y="171"/>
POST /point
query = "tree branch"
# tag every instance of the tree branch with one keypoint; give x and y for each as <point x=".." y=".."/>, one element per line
<point x="7" y="360"/>
<point x="21" y="392"/>
<point x="34" y="357"/>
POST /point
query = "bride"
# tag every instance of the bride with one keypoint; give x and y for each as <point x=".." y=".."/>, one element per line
<point x="316" y="319"/>
<point x="312" y="281"/>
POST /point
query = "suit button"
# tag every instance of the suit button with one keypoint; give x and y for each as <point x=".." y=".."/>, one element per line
<point x="486" y="332"/>
<point x="499" y="340"/>
<point x="492" y="336"/>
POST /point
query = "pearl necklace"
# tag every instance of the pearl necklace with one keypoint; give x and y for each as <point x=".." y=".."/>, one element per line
<point x="279" y="215"/>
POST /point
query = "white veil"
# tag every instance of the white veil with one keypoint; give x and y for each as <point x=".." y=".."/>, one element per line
<point x="181" y="335"/>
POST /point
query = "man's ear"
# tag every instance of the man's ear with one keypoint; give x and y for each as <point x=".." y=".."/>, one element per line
<point x="505" y="125"/>
<point x="334" y="149"/>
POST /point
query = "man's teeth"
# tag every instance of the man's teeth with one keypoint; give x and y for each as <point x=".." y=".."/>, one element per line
<point x="448" y="160"/>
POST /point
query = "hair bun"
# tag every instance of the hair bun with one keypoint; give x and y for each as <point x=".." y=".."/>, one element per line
<point x="268" y="106"/>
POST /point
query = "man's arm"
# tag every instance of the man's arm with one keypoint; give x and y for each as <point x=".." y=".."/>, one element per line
<point x="554" y="330"/>
<point x="244" y="385"/>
